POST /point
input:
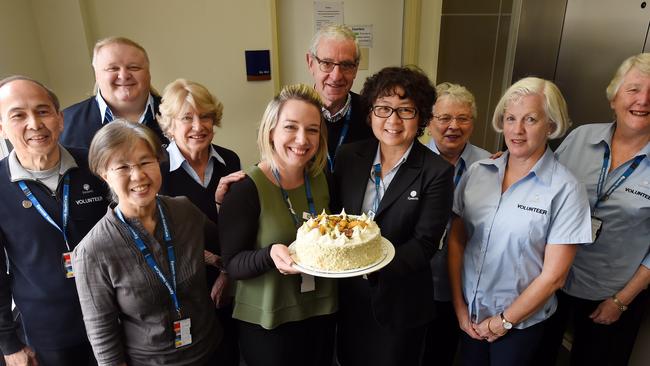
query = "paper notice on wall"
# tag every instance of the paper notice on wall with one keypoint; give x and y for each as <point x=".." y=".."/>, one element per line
<point x="326" y="13"/>
<point x="364" y="34"/>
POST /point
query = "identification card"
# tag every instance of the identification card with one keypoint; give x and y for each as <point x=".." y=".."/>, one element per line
<point x="306" y="216"/>
<point x="67" y="265"/>
<point x="182" y="332"/>
<point x="307" y="283"/>
<point x="596" y="227"/>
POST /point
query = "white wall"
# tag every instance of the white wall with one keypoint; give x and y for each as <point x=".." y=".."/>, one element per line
<point x="296" y="28"/>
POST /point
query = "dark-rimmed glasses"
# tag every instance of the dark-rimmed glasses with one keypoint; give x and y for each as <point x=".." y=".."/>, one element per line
<point x="384" y="111"/>
<point x="328" y="66"/>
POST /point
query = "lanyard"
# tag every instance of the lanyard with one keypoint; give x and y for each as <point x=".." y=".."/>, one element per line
<point x="171" y="255"/>
<point x="66" y="206"/>
<point x="285" y="197"/>
<point x="459" y="173"/>
<point x="603" y="172"/>
<point x="344" y="133"/>
<point x="377" y="170"/>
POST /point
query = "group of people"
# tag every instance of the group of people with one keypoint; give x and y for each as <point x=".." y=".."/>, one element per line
<point x="130" y="239"/>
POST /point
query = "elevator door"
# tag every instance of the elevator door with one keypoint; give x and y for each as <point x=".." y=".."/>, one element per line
<point x="597" y="36"/>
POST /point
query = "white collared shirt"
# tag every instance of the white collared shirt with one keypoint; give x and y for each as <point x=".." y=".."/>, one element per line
<point x="177" y="160"/>
<point x="371" y="191"/>
<point x="103" y="106"/>
<point x="331" y="118"/>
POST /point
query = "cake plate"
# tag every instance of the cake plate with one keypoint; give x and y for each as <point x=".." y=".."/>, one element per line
<point x="388" y="255"/>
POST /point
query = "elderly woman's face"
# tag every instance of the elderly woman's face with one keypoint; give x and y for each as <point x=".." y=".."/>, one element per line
<point x="451" y="126"/>
<point x="133" y="174"/>
<point x="526" y="127"/>
<point x="192" y="130"/>
<point x="399" y="129"/>
<point x="632" y="101"/>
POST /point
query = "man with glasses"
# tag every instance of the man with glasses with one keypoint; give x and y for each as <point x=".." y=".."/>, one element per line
<point x="49" y="200"/>
<point x="333" y="59"/>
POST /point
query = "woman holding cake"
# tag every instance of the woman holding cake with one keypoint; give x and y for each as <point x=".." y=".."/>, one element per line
<point x="516" y="222"/>
<point x="408" y="189"/>
<point x="284" y="317"/>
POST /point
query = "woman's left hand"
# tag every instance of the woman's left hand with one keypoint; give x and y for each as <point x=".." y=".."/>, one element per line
<point x="606" y="313"/>
<point x="224" y="184"/>
<point x="490" y="329"/>
<point x="219" y="291"/>
<point x="212" y="259"/>
<point x="282" y="259"/>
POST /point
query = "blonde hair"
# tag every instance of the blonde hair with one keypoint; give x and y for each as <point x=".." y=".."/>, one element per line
<point x="337" y="32"/>
<point x="456" y="93"/>
<point x="302" y="93"/>
<point x="554" y="104"/>
<point x="640" y="62"/>
<point x="181" y="91"/>
<point x="117" y="40"/>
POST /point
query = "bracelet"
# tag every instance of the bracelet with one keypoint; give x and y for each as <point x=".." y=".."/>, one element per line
<point x="490" y="329"/>
<point x="621" y="307"/>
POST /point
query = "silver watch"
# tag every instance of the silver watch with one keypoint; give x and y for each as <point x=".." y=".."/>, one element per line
<point x="506" y="324"/>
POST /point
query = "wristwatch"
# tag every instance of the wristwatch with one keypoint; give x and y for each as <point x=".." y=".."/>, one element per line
<point x="506" y="324"/>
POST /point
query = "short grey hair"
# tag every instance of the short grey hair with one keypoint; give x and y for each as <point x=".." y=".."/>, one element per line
<point x="456" y="93"/>
<point x="50" y="93"/>
<point x="338" y="32"/>
<point x="554" y="104"/>
<point x="640" y="62"/>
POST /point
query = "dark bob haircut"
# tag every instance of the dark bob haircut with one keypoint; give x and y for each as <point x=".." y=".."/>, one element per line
<point x="412" y="80"/>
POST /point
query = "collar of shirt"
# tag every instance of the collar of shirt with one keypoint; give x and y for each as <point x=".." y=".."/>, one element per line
<point x="464" y="156"/>
<point x="18" y="172"/>
<point x="606" y="137"/>
<point x="103" y="106"/>
<point x="338" y="115"/>
<point x="177" y="160"/>
<point x="388" y="177"/>
<point x="543" y="169"/>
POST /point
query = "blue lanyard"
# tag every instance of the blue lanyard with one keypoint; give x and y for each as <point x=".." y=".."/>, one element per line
<point x="344" y="133"/>
<point x="603" y="173"/>
<point x="151" y="261"/>
<point x="285" y="197"/>
<point x="66" y="206"/>
<point x="459" y="173"/>
<point x="377" y="170"/>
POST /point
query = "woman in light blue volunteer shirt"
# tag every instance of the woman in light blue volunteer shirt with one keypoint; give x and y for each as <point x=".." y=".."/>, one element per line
<point x="515" y="220"/>
<point x="604" y="293"/>
<point x="450" y="129"/>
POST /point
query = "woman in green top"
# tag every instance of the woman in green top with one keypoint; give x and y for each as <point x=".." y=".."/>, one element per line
<point x="284" y="317"/>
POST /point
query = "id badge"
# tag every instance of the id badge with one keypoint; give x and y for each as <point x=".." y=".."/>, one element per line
<point x="182" y="333"/>
<point x="67" y="265"/>
<point x="596" y="227"/>
<point x="307" y="283"/>
<point x="306" y="216"/>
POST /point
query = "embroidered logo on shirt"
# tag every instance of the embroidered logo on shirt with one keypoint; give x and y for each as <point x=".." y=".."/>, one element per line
<point x="532" y="209"/>
<point x="413" y="196"/>
<point x="84" y="201"/>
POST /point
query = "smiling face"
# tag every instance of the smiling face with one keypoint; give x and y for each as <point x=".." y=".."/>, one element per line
<point x="30" y="122"/>
<point x="122" y="74"/>
<point x="631" y="103"/>
<point x="133" y="175"/>
<point x="295" y="137"/>
<point x="333" y="87"/>
<point x="451" y="138"/>
<point x="192" y="130"/>
<point x="394" y="132"/>
<point x="526" y="127"/>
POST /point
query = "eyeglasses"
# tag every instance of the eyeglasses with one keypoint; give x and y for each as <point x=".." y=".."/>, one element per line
<point x="384" y="111"/>
<point x="125" y="170"/>
<point x="328" y="66"/>
<point x="446" y="119"/>
<point x="203" y="118"/>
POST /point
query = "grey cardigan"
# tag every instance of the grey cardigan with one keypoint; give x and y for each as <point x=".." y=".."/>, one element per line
<point x="127" y="310"/>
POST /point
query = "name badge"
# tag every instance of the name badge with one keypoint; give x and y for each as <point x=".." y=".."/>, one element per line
<point x="182" y="332"/>
<point x="67" y="265"/>
<point x="596" y="228"/>
<point x="306" y="216"/>
<point x="307" y="283"/>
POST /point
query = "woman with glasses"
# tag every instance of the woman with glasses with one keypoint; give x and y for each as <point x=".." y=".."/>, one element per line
<point x="450" y="130"/>
<point x="284" y="318"/>
<point x="408" y="190"/>
<point x="516" y="222"/>
<point x="140" y="271"/>
<point x="198" y="169"/>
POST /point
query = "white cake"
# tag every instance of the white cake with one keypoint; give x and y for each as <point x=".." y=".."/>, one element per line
<point x="338" y="242"/>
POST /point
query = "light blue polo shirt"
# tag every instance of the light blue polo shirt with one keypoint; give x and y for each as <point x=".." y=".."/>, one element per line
<point x="604" y="268"/>
<point x="439" y="268"/>
<point x="507" y="233"/>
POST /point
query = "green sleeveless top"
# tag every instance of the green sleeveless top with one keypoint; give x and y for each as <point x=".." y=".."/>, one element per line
<point x="273" y="299"/>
